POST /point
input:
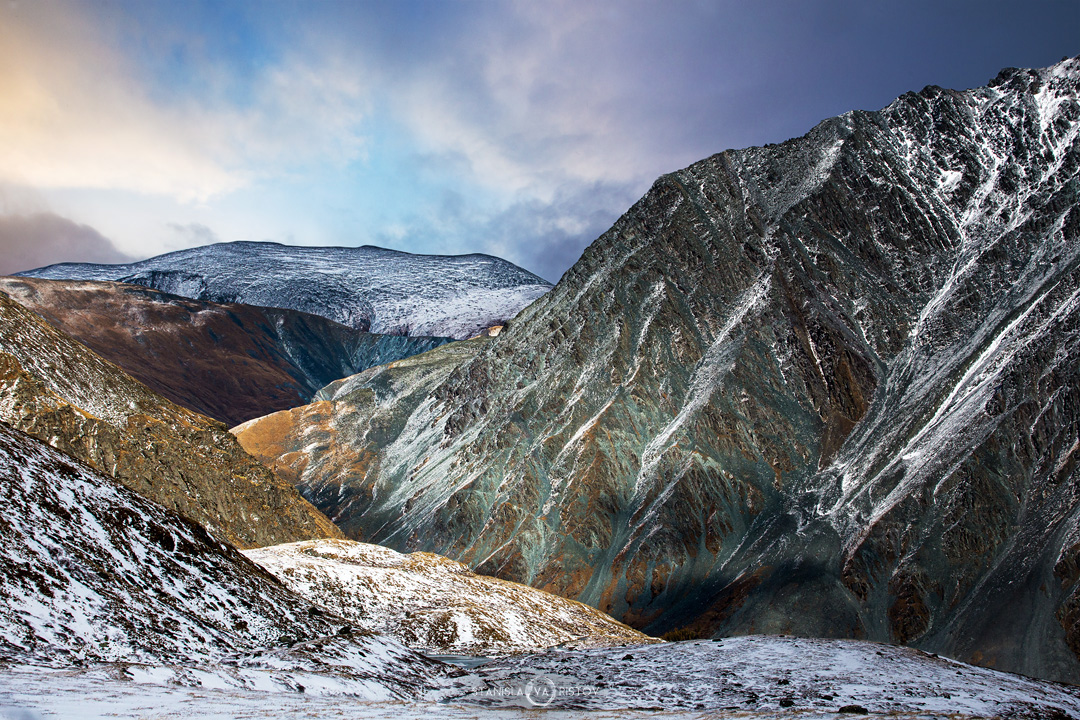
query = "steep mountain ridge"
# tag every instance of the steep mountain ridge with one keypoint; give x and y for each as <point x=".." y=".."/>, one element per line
<point x="367" y="288"/>
<point x="62" y="393"/>
<point x="827" y="387"/>
<point x="230" y="362"/>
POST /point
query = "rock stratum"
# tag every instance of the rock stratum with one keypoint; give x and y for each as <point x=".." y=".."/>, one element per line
<point x="433" y="604"/>
<point x="64" y="394"/>
<point x="231" y="362"/>
<point x="366" y="288"/>
<point x="828" y="388"/>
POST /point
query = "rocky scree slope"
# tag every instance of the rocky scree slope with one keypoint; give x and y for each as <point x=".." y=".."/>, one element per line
<point x="827" y="387"/>
<point x="433" y="604"/>
<point x="230" y="362"/>
<point x="367" y="288"/>
<point x="62" y="393"/>
<point x="94" y="573"/>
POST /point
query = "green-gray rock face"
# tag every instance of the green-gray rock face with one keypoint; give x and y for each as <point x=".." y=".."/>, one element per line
<point x="828" y="387"/>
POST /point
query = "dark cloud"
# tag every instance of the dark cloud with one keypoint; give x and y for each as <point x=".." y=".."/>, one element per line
<point x="32" y="241"/>
<point x="548" y="237"/>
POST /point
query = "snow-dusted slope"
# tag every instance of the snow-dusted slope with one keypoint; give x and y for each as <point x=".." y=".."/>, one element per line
<point x="768" y="676"/>
<point x="434" y="604"/>
<point x="92" y="572"/>
<point x="368" y="288"/>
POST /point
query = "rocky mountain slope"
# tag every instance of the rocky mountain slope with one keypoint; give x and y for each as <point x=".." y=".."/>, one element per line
<point x="93" y="572"/>
<point x="230" y="362"/>
<point x="434" y="604"/>
<point x="62" y="393"/>
<point x="827" y="387"/>
<point x="367" y="288"/>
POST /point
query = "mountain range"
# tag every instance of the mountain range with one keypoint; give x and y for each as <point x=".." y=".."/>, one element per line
<point x="822" y="394"/>
<point x="367" y="288"/>
<point x="826" y="388"/>
<point x="231" y="362"/>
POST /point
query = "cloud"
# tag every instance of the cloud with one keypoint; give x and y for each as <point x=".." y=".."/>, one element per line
<point x="77" y="112"/>
<point x="194" y="234"/>
<point x="31" y="241"/>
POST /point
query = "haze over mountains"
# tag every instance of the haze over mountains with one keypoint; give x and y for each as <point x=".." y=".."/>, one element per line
<point x="367" y="288"/>
<point x="826" y="387"/>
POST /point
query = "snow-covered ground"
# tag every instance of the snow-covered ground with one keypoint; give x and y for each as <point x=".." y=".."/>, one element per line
<point x="751" y="677"/>
<point x="434" y="604"/>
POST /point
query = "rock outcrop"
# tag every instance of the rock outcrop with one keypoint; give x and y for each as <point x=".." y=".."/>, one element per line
<point x="827" y="387"/>
<point x="231" y="362"/>
<point x="64" y="394"/>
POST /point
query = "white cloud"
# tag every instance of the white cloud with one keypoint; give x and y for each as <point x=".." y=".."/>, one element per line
<point x="77" y="113"/>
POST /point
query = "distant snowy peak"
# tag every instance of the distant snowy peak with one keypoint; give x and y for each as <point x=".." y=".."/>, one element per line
<point x="368" y="288"/>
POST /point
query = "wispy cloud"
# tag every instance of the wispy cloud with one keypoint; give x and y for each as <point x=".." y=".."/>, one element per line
<point x="79" y="113"/>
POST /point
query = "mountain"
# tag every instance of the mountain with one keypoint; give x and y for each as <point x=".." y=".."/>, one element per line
<point x="433" y="604"/>
<point x="62" y="393"/>
<point x="826" y="388"/>
<point x="94" y="573"/>
<point x="333" y="447"/>
<point x="231" y="362"/>
<point x="367" y="288"/>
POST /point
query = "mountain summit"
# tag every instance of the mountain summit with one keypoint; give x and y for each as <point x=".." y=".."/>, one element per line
<point x="367" y="288"/>
<point x="829" y="387"/>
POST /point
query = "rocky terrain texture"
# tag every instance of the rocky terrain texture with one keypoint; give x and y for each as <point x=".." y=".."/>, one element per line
<point x="827" y="388"/>
<point x="231" y="362"/>
<point x="749" y="678"/>
<point x="95" y="573"/>
<point x="770" y="676"/>
<point x="64" y="394"/>
<point x="332" y="446"/>
<point x="433" y="604"/>
<point x="367" y="288"/>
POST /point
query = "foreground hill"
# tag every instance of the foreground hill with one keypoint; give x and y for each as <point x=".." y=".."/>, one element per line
<point x="230" y="362"/>
<point x="434" y="604"/>
<point x="62" y="393"/>
<point x="367" y="288"/>
<point x="828" y="387"/>
<point x="92" y="572"/>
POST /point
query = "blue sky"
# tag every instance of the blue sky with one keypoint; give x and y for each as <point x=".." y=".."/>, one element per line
<point x="521" y="129"/>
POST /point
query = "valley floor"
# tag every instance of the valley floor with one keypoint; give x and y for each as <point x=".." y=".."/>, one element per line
<point x="750" y="677"/>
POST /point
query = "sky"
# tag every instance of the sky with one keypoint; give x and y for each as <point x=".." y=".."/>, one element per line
<point x="519" y="129"/>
